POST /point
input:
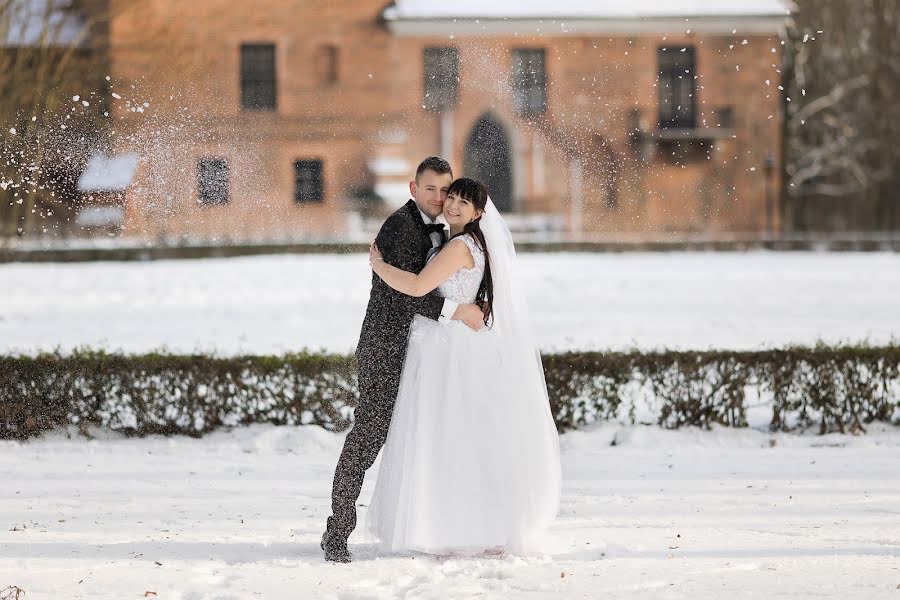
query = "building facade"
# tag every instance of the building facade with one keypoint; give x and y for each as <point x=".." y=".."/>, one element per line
<point x="281" y="120"/>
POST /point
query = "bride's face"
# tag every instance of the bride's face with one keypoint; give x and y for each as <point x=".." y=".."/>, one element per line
<point x="458" y="211"/>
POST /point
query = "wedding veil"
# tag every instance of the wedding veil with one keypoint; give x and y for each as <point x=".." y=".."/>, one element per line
<point x="510" y="311"/>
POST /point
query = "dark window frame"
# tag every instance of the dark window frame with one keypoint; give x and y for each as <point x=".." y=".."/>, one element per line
<point x="212" y="180"/>
<point x="440" y="78"/>
<point x="309" y="180"/>
<point x="676" y="68"/>
<point x="529" y="80"/>
<point x="259" y="77"/>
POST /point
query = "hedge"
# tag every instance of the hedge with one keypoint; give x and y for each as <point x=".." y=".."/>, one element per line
<point x="841" y="388"/>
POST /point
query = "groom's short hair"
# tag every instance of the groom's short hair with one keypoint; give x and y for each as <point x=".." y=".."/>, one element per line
<point x="436" y="164"/>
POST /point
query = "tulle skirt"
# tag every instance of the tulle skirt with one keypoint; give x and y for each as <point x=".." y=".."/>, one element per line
<point x="471" y="461"/>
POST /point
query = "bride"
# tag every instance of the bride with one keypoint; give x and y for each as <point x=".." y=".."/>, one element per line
<point x="471" y="462"/>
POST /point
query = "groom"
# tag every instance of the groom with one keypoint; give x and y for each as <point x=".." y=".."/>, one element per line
<point x="405" y="241"/>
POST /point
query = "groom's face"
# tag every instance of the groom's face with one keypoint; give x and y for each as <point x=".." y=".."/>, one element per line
<point x="430" y="191"/>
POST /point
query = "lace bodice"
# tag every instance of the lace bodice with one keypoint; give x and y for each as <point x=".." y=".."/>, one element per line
<point x="463" y="285"/>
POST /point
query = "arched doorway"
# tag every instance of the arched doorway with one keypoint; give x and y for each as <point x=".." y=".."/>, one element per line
<point x="488" y="158"/>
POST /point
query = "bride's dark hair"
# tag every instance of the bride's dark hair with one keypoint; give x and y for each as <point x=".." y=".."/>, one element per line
<point x="475" y="192"/>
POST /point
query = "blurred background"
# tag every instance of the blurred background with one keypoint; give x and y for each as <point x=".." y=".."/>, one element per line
<point x="148" y="129"/>
<point x="199" y="122"/>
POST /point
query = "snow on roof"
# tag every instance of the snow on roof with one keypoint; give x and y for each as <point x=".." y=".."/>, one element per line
<point x="40" y="23"/>
<point x="100" y="216"/>
<point x="108" y="173"/>
<point x="582" y="9"/>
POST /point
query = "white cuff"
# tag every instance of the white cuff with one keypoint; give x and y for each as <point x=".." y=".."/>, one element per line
<point x="447" y="311"/>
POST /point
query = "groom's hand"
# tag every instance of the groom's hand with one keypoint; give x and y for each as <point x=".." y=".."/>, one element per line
<point x="471" y="315"/>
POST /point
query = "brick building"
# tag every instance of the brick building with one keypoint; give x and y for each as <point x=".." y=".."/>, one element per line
<point x="279" y="119"/>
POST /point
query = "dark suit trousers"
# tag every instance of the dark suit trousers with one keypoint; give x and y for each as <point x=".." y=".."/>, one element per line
<point x="379" y="382"/>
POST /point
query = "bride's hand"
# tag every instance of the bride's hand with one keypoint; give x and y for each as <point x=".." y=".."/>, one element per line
<point x="374" y="255"/>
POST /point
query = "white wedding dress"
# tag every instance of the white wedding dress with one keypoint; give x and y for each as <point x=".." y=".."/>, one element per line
<point x="471" y="461"/>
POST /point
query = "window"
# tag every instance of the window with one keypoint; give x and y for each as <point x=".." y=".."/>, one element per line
<point x="441" y="85"/>
<point x="529" y="80"/>
<point x="327" y="65"/>
<point x="675" y="67"/>
<point x="726" y="117"/>
<point x="212" y="181"/>
<point x="308" y="184"/>
<point x="258" y="76"/>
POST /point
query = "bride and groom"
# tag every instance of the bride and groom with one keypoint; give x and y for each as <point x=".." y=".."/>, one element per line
<point x="451" y="385"/>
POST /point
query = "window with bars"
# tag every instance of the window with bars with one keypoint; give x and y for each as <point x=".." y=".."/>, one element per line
<point x="441" y="85"/>
<point x="212" y="181"/>
<point x="308" y="181"/>
<point x="529" y="77"/>
<point x="677" y="88"/>
<point x="258" y="77"/>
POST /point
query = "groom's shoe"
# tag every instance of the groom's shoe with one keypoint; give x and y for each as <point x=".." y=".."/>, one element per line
<point x="335" y="549"/>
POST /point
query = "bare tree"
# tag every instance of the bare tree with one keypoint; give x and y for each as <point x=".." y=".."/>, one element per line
<point x="842" y="127"/>
<point x="53" y="65"/>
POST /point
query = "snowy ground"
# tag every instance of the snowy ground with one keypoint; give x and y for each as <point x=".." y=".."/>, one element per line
<point x="687" y="514"/>
<point x="581" y="301"/>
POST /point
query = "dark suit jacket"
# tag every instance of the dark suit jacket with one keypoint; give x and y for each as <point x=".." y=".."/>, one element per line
<point x="404" y="243"/>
